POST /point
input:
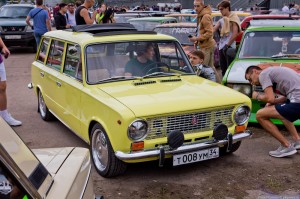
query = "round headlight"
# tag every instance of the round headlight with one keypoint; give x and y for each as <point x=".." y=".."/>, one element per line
<point x="243" y="88"/>
<point x="242" y="114"/>
<point x="138" y="130"/>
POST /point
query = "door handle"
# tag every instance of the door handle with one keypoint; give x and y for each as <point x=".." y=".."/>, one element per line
<point x="58" y="84"/>
<point x="42" y="74"/>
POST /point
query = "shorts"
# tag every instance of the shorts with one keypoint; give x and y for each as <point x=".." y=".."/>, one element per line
<point x="290" y="111"/>
<point x="2" y="72"/>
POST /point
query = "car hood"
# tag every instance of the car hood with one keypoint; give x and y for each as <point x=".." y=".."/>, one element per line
<point x="52" y="158"/>
<point x="237" y="71"/>
<point x="13" y="22"/>
<point x="172" y="94"/>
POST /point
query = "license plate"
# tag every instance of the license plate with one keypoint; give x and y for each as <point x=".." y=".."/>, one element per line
<point x="12" y="36"/>
<point x="195" y="156"/>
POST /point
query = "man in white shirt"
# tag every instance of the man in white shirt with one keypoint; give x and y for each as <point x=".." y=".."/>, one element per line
<point x="71" y="14"/>
<point x="285" y="8"/>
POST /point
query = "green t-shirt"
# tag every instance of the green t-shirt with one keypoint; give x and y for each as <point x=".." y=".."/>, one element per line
<point x="137" y="68"/>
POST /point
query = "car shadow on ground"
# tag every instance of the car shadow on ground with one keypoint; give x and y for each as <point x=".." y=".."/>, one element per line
<point x="21" y="50"/>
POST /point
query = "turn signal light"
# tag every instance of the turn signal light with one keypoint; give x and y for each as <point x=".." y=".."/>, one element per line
<point x="137" y="146"/>
<point x="240" y="129"/>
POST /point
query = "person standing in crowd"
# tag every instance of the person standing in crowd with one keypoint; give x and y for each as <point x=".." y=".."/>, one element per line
<point x="82" y="15"/>
<point x="60" y="18"/>
<point x="71" y="14"/>
<point x="108" y="16"/>
<point x="229" y="28"/>
<point x="41" y="21"/>
<point x="204" y="34"/>
<point x="3" y="99"/>
<point x="285" y="107"/>
<point x="55" y="10"/>
<point x="196" y="58"/>
<point x="101" y="13"/>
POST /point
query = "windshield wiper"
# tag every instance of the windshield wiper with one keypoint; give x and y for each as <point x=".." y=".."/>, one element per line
<point x="161" y="74"/>
<point x="280" y="55"/>
<point x="118" y="78"/>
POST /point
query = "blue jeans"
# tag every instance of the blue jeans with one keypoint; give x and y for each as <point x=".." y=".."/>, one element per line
<point x="37" y="37"/>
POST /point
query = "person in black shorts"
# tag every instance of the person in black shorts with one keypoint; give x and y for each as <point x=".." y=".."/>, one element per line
<point x="285" y="107"/>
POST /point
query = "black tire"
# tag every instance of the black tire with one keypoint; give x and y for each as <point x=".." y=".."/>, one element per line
<point x="235" y="146"/>
<point x="43" y="109"/>
<point x="103" y="156"/>
<point x="34" y="47"/>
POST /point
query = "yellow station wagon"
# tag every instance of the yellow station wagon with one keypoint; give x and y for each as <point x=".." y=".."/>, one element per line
<point x="164" y="111"/>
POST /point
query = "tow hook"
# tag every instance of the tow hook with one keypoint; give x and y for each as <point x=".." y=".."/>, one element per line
<point x="30" y="86"/>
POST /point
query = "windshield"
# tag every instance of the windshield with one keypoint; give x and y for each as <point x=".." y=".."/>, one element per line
<point x="268" y="44"/>
<point x="180" y="33"/>
<point x="14" y="12"/>
<point x="135" y="59"/>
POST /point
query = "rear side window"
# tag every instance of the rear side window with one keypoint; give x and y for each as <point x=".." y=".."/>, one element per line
<point x="43" y="50"/>
<point x="73" y="63"/>
<point x="55" y="55"/>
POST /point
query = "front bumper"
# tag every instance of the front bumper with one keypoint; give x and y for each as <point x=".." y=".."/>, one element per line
<point x="26" y="39"/>
<point x="182" y="149"/>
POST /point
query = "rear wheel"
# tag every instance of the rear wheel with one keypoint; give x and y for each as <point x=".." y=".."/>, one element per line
<point x="104" y="159"/>
<point x="43" y="110"/>
<point x="235" y="146"/>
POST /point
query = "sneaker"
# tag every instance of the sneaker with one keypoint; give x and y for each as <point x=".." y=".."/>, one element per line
<point x="11" y="121"/>
<point x="283" y="151"/>
<point x="296" y="144"/>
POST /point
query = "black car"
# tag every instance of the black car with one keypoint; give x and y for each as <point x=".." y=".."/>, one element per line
<point x="13" y="27"/>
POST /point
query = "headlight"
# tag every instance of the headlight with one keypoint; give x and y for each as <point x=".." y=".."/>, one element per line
<point x="242" y="88"/>
<point x="138" y="130"/>
<point x="242" y="114"/>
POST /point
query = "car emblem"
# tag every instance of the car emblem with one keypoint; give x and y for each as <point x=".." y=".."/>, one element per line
<point x="194" y="120"/>
<point x="13" y="29"/>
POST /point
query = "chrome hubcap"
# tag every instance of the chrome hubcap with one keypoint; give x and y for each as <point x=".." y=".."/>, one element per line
<point x="42" y="105"/>
<point x="99" y="150"/>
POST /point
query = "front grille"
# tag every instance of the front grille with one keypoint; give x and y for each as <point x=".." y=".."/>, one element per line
<point x="13" y="28"/>
<point x="189" y="122"/>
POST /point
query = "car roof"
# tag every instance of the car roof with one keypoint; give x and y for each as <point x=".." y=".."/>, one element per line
<point x="271" y="16"/>
<point x="115" y="32"/>
<point x="179" y="25"/>
<point x="281" y="23"/>
<point x="153" y="19"/>
<point x="181" y="15"/>
<point x="19" y="5"/>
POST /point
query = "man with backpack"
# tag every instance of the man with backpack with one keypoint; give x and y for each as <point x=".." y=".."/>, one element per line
<point x="41" y="21"/>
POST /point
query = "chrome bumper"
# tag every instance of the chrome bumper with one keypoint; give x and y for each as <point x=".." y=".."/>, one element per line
<point x="182" y="149"/>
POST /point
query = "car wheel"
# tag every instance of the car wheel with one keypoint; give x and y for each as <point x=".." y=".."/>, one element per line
<point x="42" y="108"/>
<point x="104" y="159"/>
<point x="235" y="146"/>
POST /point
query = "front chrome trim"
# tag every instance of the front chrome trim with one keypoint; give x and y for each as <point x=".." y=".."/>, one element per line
<point x="186" y="148"/>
